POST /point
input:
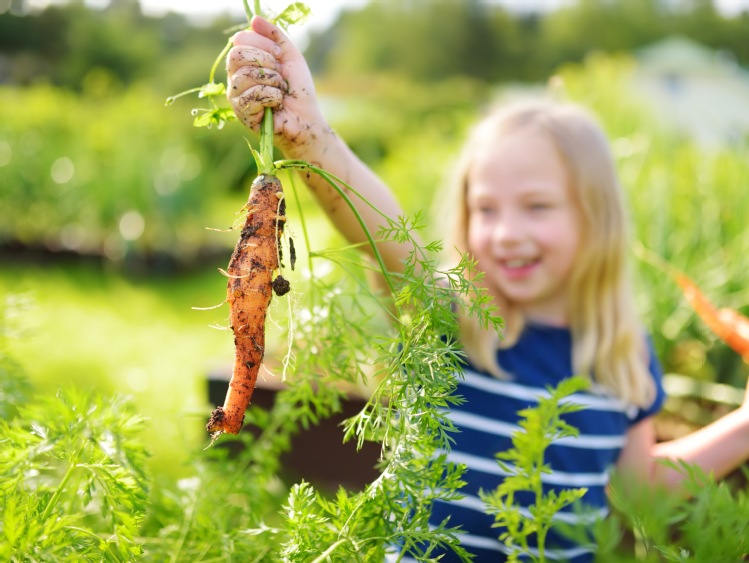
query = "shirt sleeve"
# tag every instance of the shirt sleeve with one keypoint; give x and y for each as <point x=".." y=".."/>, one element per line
<point x="656" y="372"/>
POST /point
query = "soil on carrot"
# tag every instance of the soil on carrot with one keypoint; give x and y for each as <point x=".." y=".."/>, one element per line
<point x="281" y="286"/>
<point x="292" y="253"/>
<point x="250" y="288"/>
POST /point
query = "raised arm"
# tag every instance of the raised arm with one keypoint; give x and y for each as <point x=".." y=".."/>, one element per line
<point x="267" y="70"/>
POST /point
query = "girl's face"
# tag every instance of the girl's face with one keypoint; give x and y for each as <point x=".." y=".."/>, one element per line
<point x="523" y="224"/>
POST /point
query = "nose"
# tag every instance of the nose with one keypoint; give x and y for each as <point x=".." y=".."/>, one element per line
<point x="508" y="228"/>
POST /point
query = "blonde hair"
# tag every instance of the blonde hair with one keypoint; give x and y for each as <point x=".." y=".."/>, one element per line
<point x="608" y="340"/>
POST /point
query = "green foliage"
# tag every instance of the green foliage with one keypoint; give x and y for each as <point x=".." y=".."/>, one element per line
<point x="220" y="511"/>
<point x="14" y="386"/>
<point x="229" y="504"/>
<point x="706" y="523"/>
<point x="294" y="13"/>
<point x="428" y="41"/>
<point x="92" y="178"/>
<point x="524" y="463"/>
<point x="73" y="483"/>
<point x="62" y="43"/>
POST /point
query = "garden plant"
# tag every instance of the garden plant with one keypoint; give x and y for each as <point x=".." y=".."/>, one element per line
<point x="74" y="478"/>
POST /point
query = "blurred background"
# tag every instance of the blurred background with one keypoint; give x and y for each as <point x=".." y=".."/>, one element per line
<point x="106" y="193"/>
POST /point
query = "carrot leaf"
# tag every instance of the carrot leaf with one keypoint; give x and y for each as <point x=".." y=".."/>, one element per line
<point x="294" y="13"/>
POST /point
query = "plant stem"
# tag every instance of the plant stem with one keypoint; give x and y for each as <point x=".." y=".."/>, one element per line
<point x="303" y="223"/>
<point x="266" y="142"/>
<point x="170" y="100"/>
<point x="542" y="526"/>
<point x="68" y="474"/>
<point x="328" y="551"/>
<point x="362" y="285"/>
<point x="214" y="68"/>
<point x="221" y="56"/>
<point x="334" y="182"/>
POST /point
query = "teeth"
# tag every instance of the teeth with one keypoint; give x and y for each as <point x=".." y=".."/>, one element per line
<point x="517" y="263"/>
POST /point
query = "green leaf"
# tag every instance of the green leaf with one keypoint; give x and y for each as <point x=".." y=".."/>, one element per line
<point x="259" y="163"/>
<point x="212" y="89"/>
<point x="293" y="14"/>
<point x="216" y="116"/>
<point x="13" y="525"/>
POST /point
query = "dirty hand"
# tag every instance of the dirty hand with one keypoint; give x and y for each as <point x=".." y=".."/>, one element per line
<point x="265" y="69"/>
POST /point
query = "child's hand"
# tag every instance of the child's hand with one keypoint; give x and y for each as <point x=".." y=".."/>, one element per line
<point x="266" y="69"/>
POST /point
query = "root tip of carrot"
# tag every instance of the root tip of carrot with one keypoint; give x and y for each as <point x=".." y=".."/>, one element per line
<point x="222" y="423"/>
<point x="214" y="437"/>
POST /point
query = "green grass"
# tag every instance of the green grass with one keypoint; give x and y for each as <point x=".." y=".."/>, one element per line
<point x="92" y="328"/>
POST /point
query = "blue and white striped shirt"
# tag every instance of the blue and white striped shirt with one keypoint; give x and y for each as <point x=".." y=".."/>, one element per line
<point x="487" y="419"/>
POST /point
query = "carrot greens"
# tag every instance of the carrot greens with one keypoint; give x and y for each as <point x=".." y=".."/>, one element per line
<point x="73" y="478"/>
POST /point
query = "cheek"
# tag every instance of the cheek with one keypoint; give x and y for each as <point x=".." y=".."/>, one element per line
<point x="476" y="237"/>
<point x="564" y="236"/>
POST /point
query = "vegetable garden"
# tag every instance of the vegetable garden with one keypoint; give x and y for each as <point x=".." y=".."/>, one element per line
<point x="106" y="458"/>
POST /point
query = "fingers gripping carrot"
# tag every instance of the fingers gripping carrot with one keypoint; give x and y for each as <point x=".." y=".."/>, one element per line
<point x="249" y="291"/>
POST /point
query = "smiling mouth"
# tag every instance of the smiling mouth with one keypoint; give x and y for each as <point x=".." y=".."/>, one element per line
<point x="519" y="263"/>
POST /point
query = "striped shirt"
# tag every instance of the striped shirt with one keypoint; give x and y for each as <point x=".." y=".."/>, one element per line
<point x="487" y="419"/>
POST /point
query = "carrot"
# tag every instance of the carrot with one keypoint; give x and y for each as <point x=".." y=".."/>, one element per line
<point x="727" y="324"/>
<point x="249" y="290"/>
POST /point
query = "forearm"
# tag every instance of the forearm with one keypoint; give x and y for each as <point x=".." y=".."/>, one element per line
<point x="718" y="448"/>
<point x="332" y="154"/>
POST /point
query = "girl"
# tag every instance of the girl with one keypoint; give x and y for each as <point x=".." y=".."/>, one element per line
<point x="537" y="204"/>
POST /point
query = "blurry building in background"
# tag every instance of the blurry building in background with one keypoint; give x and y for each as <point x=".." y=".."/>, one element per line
<point x="701" y="92"/>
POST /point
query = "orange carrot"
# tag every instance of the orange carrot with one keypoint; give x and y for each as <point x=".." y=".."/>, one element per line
<point x="727" y="324"/>
<point x="249" y="290"/>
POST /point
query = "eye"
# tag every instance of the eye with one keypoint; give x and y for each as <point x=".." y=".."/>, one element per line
<point x="539" y="205"/>
<point x="484" y="210"/>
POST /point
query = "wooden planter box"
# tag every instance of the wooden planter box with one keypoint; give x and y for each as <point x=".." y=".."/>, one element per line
<point x="317" y="454"/>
